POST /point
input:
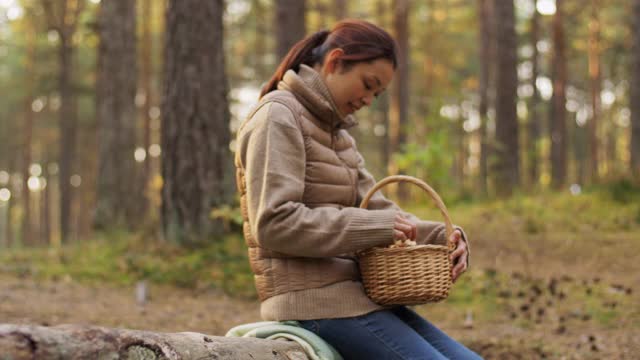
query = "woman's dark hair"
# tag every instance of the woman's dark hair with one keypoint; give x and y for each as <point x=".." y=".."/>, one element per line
<point x="360" y="40"/>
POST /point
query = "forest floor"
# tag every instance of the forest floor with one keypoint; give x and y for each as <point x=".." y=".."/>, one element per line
<point x="510" y="336"/>
<point x="551" y="277"/>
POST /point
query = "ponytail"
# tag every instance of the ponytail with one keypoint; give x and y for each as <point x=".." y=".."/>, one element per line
<point x="360" y="41"/>
<point x="307" y="51"/>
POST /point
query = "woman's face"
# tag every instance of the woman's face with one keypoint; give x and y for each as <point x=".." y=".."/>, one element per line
<point x="356" y="86"/>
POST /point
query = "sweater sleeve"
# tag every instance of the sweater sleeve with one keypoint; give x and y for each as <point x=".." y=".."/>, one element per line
<point x="428" y="232"/>
<point x="273" y="158"/>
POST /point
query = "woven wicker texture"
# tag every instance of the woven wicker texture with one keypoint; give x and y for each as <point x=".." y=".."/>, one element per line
<point x="407" y="275"/>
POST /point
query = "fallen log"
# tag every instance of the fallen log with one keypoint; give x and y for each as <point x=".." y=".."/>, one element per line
<point x="28" y="342"/>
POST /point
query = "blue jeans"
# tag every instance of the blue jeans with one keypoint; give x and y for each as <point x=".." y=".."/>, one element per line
<point x="397" y="333"/>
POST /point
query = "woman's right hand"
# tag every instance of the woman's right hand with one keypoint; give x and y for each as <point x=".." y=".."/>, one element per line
<point x="404" y="229"/>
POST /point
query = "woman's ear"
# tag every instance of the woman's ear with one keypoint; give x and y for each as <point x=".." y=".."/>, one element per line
<point x="332" y="61"/>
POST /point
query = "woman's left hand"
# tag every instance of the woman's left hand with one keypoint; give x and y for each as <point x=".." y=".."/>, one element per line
<point x="459" y="255"/>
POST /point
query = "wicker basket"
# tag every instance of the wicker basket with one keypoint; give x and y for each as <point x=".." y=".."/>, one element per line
<point x="407" y="275"/>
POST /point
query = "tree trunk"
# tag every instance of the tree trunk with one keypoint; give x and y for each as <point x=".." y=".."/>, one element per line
<point x="558" y="126"/>
<point x="4" y="222"/>
<point x="263" y="31"/>
<point x="45" y="229"/>
<point x="68" y="129"/>
<point x="419" y="130"/>
<point x="146" y="77"/>
<point x="399" y="107"/>
<point x="383" y="99"/>
<point x="580" y="139"/>
<point x="340" y="9"/>
<point x="611" y="145"/>
<point x="507" y="167"/>
<point x="27" y="229"/>
<point x="461" y="146"/>
<point x="118" y="195"/>
<point x="382" y="12"/>
<point x="9" y="240"/>
<point x="634" y="98"/>
<point x="595" y="80"/>
<point x="383" y="113"/>
<point x="196" y="166"/>
<point x="26" y="342"/>
<point x="63" y="16"/>
<point x="289" y="24"/>
<point x="534" y="116"/>
<point x="484" y="19"/>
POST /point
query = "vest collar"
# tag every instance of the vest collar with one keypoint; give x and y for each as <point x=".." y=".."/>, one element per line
<point x="309" y="88"/>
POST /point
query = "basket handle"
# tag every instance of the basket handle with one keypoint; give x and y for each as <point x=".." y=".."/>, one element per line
<point x="424" y="186"/>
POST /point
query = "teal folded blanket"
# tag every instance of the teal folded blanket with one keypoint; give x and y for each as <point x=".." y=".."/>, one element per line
<point x="313" y="345"/>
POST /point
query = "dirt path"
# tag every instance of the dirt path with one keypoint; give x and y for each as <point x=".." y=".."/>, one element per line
<point x="25" y="300"/>
<point x="167" y="309"/>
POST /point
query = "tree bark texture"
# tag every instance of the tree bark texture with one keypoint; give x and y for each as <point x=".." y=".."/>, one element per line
<point x="196" y="165"/>
<point x="558" y="125"/>
<point x="118" y="195"/>
<point x="507" y="166"/>
<point x="289" y="24"/>
<point x="26" y="342"/>
<point x="635" y="92"/>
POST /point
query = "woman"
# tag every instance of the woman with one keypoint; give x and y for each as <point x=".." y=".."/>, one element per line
<point x="301" y="179"/>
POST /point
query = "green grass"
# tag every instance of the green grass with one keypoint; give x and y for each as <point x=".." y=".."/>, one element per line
<point x="124" y="258"/>
<point x="594" y="209"/>
<point x="585" y="237"/>
<point x="477" y="292"/>
<point x="543" y="236"/>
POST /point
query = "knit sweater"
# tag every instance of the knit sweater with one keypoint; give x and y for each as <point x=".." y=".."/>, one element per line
<point x="301" y="179"/>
